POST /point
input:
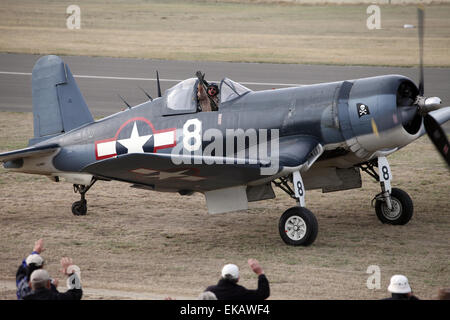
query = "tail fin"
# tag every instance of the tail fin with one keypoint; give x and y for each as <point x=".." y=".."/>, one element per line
<point x="58" y="105"/>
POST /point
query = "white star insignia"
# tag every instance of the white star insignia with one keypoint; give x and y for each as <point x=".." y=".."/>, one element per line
<point x="135" y="143"/>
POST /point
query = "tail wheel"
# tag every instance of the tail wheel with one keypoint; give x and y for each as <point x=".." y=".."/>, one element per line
<point x="298" y="227"/>
<point x="79" y="208"/>
<point x="402" y="208"/>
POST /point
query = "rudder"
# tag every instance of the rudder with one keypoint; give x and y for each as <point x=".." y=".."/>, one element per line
<point x="58" y="105"/>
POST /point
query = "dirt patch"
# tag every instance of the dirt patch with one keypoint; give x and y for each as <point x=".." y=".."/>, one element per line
<point x="218" y="31"/>
<point x="161" y="244"/>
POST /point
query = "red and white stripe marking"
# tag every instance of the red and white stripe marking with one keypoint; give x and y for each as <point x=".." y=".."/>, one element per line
<point x="163" y="139"/>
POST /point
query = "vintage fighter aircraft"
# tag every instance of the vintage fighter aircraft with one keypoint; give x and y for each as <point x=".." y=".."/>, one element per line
<point x="309" y="137"/>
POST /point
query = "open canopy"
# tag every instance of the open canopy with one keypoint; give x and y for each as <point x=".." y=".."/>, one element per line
<point x="230" y="90"/>
<point x="182" y="97"/>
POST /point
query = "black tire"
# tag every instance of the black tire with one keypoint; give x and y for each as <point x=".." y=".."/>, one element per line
<point x="79" y="208"/>
<point x="306" y="223"/>
<point x="401" y="212"/>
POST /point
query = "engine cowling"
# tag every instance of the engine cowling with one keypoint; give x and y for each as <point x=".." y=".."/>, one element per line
<point x="382" y="114"/>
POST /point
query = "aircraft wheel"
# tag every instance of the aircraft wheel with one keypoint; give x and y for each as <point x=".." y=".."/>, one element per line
<point x="402" y="208"/>
<point x="79" y="208"/>
<point x="298" y="227"/>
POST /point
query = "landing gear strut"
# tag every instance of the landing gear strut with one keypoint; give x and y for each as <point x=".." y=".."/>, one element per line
<point x="297" y="226"/>
<point x="392" y="205"/>
<point x="79" y="208"/>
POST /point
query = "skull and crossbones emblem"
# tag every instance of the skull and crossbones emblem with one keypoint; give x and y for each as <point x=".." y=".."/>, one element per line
<point x="362" y="109"/>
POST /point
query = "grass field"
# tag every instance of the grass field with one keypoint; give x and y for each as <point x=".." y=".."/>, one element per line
<point x="224" y="31"/>
<point x="165" y="244"/>
<point x="168" y="245"/>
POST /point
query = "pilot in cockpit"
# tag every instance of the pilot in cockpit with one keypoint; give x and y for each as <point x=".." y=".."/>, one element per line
<point x="207" y="94"/>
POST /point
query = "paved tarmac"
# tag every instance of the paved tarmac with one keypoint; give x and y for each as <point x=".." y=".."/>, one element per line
<point x="102" y="79"/>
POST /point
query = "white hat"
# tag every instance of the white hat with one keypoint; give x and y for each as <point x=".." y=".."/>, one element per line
<point x="36" y="259"/>
<point x="399" y="284"/>
<point x="207" y="295"/>
<point x="230" y="271"/>
<point x="39" y="275"/>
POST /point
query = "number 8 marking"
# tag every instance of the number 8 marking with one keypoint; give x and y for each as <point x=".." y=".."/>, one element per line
<point x="385" y="171"/>
<point x="195" y="135"/>
<point x="300" y="188"/>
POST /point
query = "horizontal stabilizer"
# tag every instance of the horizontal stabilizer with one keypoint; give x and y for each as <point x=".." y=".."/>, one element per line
<point x="28" y="152"/>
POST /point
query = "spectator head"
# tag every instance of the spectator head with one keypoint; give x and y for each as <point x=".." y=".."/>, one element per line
<point x="207" y="295"/>
<point x="230" y="272"/>
<point x="40" y="279"/>
<point x="34" y="259"/>
<point x="34" y="262"/>
<point x="399" y="284"/>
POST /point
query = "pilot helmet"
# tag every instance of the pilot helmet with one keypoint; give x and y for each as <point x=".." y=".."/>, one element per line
<point x="213" y="89"/>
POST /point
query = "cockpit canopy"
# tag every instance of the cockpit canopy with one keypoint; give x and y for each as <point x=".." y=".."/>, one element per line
<point x="230" y="90"/>
<point x="182" y="97"/>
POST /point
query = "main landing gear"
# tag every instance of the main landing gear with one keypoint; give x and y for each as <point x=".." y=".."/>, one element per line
<point x="392" y="205"/>
<point x="297" y="226"/>
<point x="79" y="208"/>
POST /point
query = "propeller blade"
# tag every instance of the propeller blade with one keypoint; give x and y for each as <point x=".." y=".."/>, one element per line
<point x="437" y="136"/>
<point x="159" y="85"/>
<point x="420" y="17"/>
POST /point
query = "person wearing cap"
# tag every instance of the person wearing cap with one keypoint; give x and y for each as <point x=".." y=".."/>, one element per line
<point x="207" y="295"/>
<point x="40" y="284"/>
<point x="400" y="289"/>
<point x="228" y="288"/>
<point x="208" y="99"/>
<point x="33" y="262"/>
